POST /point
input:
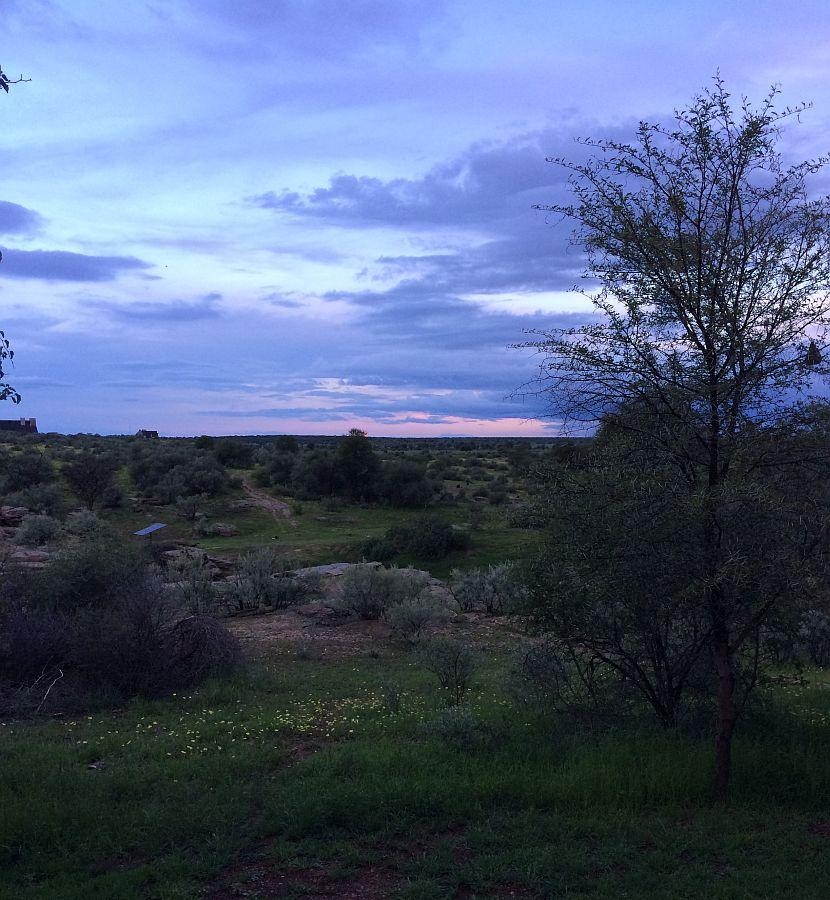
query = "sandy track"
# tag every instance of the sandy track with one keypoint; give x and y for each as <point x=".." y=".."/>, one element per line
<point x="279" y="509"/>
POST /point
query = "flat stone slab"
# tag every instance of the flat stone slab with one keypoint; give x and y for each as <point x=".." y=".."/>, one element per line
<point x="331" y="570"/>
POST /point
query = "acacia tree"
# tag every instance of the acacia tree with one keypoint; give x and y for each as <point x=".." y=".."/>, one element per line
<point x="7" y="392"/>
<point x="711" y="265"/>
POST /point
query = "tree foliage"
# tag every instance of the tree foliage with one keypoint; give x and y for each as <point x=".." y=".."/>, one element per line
<point x="7" y="392"/>
<point x="711" y="265"/>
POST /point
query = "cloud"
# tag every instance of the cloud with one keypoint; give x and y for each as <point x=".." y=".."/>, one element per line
<point x="319" y="27"/>
<point x="16" y="219"/>
<point x="479" y="205"/>
<point x="487" y="183"/>
<point x="59" y="265"/>
<point x="282" y="302"/>
<point x="485" y="186"/>
<point x="162" y="311"/>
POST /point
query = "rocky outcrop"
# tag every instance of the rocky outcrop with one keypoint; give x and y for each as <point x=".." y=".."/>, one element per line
<point x="216" y="566"/>
<point x="12" y="516"/>
<point x="332" y="570"/>
<point x="26" y="557"/>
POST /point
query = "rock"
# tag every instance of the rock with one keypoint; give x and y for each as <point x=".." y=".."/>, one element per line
<point x="172" y="556"/>
<point x="332" y="570"/>
<point x="224" y="530"/>
<point x="216" y="566"/>
<point x="31" y="559"/>
<point x="12" y="516"/>
<point x="220" y="564"/>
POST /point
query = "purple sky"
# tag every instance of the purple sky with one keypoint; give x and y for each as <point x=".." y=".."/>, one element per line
<point x="306" y="215"/>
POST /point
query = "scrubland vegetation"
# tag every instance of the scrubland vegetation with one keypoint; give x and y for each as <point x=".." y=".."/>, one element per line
<point x="200" y="715"/>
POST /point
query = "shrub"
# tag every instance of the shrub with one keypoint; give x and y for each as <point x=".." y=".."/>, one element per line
<point x="190" y="508"/>
<point x="91" y="476"/>
<point x="497" y="590"/>
<point x="391" y="693"/>
<point x="34" y="531"/>
<point x="453" y="664"/>
<point x="68" y="658"/>
<point x="193" y="588"/>
<point x="377" y="550"/>
<point x="45" y="499"/>
<point x="316" y="475"/>
<point x="24" y="470"/>
<point x="234" y="454"/>
<point x="497" y="496"/>
<point x="404" y="484"/>
<point x="199" y="647"/>
<point x="370" y="591"/>
<point x="93" y="572"/>
<point x="551" y="678"/>
<point x="426" y="537"/>
<point x="168" y="473"/>
<point x="261" y="580"/>
<point x="815" y="637"/>
<point x="459" y="728"/>
<point x="411" y="619"/>
<point x="84" y="523"/>
<point x="113" y="497"/>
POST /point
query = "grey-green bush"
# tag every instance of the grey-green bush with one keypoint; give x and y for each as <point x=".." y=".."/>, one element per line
<point x="412" y="619"/>
<point x="369" y="591"/>
<point x="261" y="580"/>
<point x="34" y="531"/>
<point x="497" y="589"/>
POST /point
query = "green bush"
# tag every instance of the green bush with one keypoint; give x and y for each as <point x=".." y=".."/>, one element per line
<point x="459" y="728"/>
<point x="45" y="499"/>
<point x="19" y="471"/>
<point x="425" y="537"/>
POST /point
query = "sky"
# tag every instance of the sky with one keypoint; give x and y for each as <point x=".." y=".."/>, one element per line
<point x="303" y="216"/>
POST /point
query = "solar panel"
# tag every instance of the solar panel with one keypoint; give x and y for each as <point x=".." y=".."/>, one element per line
<point x="150" y="529"/>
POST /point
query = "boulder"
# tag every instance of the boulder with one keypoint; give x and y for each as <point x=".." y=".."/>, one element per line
<point x="224" y="530"/>
<point x="31" y="559"/>
<point x="12" y="516"/>
<point x="332" y="570"/>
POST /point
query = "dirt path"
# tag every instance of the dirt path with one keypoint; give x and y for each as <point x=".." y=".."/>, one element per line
<point x="279" y="509"/>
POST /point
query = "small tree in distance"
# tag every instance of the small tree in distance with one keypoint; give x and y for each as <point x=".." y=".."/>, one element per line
<point x="358" y="464"/>
<point x="711" y="319"/>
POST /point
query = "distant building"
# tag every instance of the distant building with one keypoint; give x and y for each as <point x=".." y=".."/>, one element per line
<point x="24" y="426"/>
<point x="146" y="434"/>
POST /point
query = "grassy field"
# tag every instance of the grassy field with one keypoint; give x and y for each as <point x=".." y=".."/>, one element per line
<point x="303" y="778"/>
<point x="322" y="772"/>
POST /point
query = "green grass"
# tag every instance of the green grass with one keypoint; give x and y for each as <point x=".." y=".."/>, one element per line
<point x="319" y="535"/>
<point x="226" y="776"/>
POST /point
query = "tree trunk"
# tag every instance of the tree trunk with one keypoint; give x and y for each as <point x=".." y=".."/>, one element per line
<point x="725" y="714"/>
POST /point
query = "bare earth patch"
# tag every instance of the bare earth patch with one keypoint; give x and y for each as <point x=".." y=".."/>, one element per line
<point x="279" y="509"/>
<point x="262" y="633"/>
